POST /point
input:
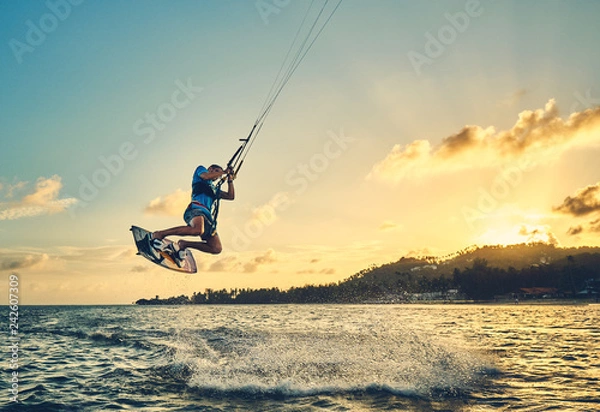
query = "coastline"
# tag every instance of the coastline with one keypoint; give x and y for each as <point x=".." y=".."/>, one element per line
<point x="498" y="302"/>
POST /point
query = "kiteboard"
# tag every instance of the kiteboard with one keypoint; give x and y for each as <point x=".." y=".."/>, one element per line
<point x="164" y="259"/>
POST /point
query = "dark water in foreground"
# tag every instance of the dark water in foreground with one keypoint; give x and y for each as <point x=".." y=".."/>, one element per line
<point x="308" y="358"/>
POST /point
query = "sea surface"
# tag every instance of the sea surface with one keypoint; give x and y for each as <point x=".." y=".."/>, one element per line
<point x="307" y="358"/>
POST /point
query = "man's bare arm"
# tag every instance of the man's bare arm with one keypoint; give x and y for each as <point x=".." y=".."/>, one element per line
<point x="211" y="175"/>
<point x="230" y="193"/>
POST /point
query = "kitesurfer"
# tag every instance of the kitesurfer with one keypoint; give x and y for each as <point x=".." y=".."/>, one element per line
<point x="199" y="215"/>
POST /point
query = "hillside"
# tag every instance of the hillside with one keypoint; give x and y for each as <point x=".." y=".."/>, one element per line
<point x="479" y="273"/>
<point x="501" y="257"/>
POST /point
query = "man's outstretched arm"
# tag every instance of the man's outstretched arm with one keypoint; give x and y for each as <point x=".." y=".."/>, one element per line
<point x="211" y="175"/>
<point x="230" y="193"/>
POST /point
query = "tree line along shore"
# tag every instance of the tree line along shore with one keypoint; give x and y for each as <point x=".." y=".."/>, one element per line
<point x="489" y="273"/>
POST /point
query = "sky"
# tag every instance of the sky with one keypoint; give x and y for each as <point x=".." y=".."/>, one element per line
<point x="410" y="128"/>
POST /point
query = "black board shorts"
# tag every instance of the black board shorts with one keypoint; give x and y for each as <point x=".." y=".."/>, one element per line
<point x="193" y="211"/>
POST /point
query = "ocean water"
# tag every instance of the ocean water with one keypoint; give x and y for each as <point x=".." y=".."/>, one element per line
<point x="307" y="358"/>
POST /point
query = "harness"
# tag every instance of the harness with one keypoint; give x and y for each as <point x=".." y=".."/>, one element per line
<point x="201" y="187"/>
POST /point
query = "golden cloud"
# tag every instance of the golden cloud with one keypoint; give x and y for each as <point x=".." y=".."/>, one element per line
<point x="226" y="264"/>
<point x="539" y="134"/>
<point x="583" y="202"/>
<point x="172" y="204"/>
<point x="575" y="230"/>
<point x="265" y="258"/>
<point x="248" y="262"/>
<point x="538" y="233"/>
<point x="43" y="200"/>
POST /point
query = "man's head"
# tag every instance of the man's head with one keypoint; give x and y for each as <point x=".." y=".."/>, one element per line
<point x="215" y="168"/>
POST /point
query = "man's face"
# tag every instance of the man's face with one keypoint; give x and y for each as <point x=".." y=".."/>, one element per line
<point x="215" y="169"/>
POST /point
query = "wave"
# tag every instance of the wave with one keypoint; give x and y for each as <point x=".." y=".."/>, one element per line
<point x="230" y="362"/>
<point x="288" y="389"/>
<point x="115" y="337"/>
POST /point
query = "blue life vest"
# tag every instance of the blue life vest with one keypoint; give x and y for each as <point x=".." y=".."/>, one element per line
<point x="204" y="191"/>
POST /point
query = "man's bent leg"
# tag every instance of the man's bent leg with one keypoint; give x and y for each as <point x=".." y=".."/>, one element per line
<point x="195" y="228"/>
<point x="212" y="245"/>
<point x="214" y="242"/>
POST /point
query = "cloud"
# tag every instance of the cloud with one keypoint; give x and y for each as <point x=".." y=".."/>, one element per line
<point x="14" y="261"/>
<point x="517" y="234"/>
<point x="326" y="271"/>
<point x="538" y="233"/>
<point x="575" y="230"/>
<point x="247" y="262"/>
<point x="583" y="202"/>
<point x="11" y="189"/>
<point x="265" y="258"/>
<point x="66" y="260"/>
<point x="419" y="253"/>
<point x="104" y="254"/>
<point x="226" y="264"/>
<point x="43" y="200"/>
<point x="172" y="204"/>
<point x="124" y="254"/>
<point x="388" y="225"/>
<point x="539" y="134"/>
<point x="593" y="227"/>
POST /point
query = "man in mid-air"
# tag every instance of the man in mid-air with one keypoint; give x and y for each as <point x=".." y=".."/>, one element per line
<point x="198" y="216"/>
